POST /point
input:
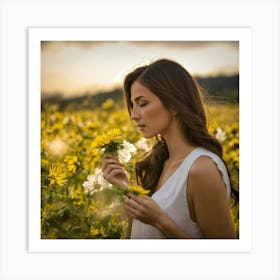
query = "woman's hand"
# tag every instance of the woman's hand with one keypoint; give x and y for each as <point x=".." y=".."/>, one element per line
<point x="113" y="171"/>
<point x="146" y="210"/>
<point x="143" y="208"/>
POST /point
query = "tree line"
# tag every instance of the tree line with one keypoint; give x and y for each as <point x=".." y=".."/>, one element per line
<point x="220" y="89"/>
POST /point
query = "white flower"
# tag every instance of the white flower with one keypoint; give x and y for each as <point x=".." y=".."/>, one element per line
<point x="100" y="179"/>
<point x="127" y="151"/>
<point x="142" y="144"/>
<point x="89" y="185"/>
<point x="129" y="147"/>
<point x="220" y="135"/>
<point x="95" y="181"/>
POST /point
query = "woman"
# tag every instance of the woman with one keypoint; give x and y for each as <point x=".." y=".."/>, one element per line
<point x="189" y="182"/>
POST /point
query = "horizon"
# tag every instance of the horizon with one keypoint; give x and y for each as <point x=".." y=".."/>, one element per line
<point x="116" y="88"/>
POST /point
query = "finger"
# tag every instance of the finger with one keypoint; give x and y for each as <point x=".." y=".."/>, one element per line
<point x="116" y="174"/>
<point x="133" y="203"/>
<point x="110" y="156"/>
<point x="112" y="161"/>
<point x="131" y="212"/>
<point x="106" y="163"/>
<point x="112" y="168"/>
<point x="115" y="177"/>
<point x="132" y="209"/>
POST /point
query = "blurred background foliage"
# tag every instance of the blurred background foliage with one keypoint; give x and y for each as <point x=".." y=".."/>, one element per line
<point x="68" y="128"/>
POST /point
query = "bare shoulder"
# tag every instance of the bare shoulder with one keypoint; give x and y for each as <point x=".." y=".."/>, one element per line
<point x="205" y="166"/>
<point x="204" y="177"/>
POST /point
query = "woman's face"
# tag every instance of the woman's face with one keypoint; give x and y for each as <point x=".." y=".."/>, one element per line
<point x="148" y="112"/>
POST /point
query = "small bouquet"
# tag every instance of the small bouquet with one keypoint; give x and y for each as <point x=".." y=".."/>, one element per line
<point x="112" y="142"/>
<point x="137" y="190"/>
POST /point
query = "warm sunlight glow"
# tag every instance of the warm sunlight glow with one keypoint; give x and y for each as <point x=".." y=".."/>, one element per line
<point x="76" y="68"/>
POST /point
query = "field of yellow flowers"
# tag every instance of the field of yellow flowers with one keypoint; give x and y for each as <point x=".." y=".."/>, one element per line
<point x="76" y="201"/>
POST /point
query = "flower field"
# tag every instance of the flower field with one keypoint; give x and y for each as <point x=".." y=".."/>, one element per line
<point x="76" y="201"/>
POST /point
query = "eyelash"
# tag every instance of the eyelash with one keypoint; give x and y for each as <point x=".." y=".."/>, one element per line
<point x="140" y="104"/>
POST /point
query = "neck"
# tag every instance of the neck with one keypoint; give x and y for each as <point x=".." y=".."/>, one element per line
<point x="178" y="146"/>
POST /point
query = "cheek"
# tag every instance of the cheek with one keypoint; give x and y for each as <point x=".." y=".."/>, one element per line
<point x="151" y="113"/>
<point x="157" y="113"/>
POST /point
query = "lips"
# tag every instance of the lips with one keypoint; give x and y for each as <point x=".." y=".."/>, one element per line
<point x="141" y="126"/>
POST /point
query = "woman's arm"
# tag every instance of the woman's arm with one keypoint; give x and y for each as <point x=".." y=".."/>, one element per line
<point x="209" y="204"/>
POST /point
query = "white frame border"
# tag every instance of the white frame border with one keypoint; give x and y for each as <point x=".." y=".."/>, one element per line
<point x="36" y="35"/>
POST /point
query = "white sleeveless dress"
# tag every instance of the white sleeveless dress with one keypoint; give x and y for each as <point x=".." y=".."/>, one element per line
<point x="172" y="198"/>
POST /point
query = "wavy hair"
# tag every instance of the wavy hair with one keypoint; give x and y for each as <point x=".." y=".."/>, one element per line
<point x="180" y="92"/>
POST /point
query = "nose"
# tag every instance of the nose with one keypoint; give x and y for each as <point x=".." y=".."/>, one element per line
<point x="134" y="114"/>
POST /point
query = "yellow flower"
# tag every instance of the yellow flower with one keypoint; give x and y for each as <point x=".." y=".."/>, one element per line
<point x="137" y="190"/>
<point x="110" y="140"/>
<point x="94" y="231"/>
<point x="71" y="163"/>
<point x="56" y="176"/>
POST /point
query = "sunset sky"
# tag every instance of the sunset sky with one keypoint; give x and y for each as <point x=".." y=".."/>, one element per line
<point x="79" y="67"/>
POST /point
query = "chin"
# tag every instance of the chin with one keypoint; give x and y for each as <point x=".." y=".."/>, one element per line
<point x="149" y="135"/>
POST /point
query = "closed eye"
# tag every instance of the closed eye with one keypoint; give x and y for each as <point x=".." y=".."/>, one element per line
<point x="139" y="101"/>
<point x="143" y="104"/>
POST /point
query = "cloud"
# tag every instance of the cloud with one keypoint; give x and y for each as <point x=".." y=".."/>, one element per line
<point x="169" y="44"/>
<point x="184" y="44"/>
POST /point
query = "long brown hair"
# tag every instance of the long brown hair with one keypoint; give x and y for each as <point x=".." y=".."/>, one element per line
<point x="179" y="91"/>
